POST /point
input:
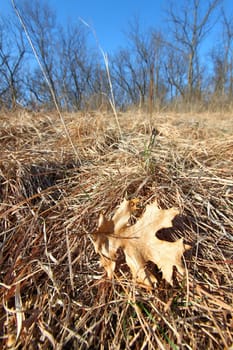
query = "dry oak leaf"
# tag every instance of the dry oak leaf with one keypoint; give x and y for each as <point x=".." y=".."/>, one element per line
<point x="139" y="242"/>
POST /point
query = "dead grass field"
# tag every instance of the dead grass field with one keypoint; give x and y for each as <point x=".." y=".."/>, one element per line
<point x="53" y="292"/>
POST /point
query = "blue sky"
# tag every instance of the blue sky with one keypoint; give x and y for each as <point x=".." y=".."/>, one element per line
<point x="110" y="18"/>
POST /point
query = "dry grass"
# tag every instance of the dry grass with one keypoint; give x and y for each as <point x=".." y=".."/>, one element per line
<point x="53" y="292"/>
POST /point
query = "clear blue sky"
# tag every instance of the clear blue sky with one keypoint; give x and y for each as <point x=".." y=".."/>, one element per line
<point x="110" y="18"/>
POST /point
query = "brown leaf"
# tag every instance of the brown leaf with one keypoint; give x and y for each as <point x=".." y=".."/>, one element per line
<point x="139" y="242"/>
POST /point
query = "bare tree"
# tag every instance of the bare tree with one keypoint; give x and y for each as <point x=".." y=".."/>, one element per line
<point x="137" y="69"/>
<point x="125" y="78"/>
<point x="64" y="55"/>
<point x="176" y="73"/>
<point x="227" y="52"/>
<point x="189" y="27"/>
<point x="77" y="65"/>
<point x="12" y="52"/>
<point x="40" y="21"/>
<point x="220" y="68"/>
<point x="151" y="69"/>
<point x="222" y="61"/>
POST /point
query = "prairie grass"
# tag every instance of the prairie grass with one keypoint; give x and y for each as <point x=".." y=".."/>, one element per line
<point x="54" y="294"/>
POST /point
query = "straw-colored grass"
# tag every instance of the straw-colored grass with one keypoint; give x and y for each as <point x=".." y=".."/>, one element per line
<point x="53" y="292"/>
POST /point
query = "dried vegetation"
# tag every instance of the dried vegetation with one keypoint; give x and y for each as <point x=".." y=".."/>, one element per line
<point x="53" y="292"/>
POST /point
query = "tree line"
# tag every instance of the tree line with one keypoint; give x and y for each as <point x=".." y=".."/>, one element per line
<point x="187" y="64"/>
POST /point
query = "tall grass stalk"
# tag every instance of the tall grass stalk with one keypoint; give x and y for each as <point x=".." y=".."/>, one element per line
<point x="111" y="98"/>
<point x="52" y="92"/>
